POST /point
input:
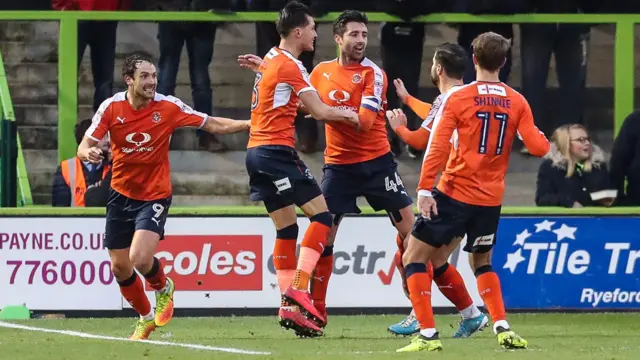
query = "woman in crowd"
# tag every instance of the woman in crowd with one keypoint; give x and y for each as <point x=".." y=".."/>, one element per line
<point x="573" y="172"/>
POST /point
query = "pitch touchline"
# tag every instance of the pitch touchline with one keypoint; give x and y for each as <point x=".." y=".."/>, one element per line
<point x="112" y="338"/>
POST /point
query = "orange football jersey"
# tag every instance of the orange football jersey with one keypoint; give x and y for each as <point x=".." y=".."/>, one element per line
<point x="281" y="78"/>
<point x="361" y="88"/>
<point x="140" y="142"/>
<point x="474" y="129"/>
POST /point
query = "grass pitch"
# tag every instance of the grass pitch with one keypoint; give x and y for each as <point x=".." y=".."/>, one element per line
<point x="550" y="336"/>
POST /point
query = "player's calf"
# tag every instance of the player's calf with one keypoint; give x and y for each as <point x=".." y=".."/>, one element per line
<point x="130" y="284"/>
<point x="284" y="255"/>
<point x="143" y="248"/>
<point x="313" y="245"/>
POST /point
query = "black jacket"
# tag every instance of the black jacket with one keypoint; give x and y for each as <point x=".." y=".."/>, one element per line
<point x="625" y="161"/>
<point x="553" y="188"/>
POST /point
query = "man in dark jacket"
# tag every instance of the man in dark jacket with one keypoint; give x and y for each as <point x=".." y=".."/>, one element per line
<point x="90" y="182"/>
<point x="569" y="44"/>
<point x="625" y="162"/>
<point x="401" y="46"/>
<point x="199" y="38"/>
<point x="100" y="36"/>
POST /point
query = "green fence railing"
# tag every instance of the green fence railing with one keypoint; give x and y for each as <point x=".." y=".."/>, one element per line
<point x="68" y="72"/>
<point x="23" y="196"/>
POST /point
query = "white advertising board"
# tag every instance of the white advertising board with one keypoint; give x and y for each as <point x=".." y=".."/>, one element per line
<point x="225" y="262"/>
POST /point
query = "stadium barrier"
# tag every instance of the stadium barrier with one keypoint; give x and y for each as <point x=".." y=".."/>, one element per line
<point x="220" y="258"/>
<point x="14" y="186"/>
<point x="68" y="72"/>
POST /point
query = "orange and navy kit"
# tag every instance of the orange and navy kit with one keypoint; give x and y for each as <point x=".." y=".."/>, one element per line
<point x="471" y="138"/>
<point x="277" y="176"/>
<point x="359" y="161"/>
<point x="141" y="181"/>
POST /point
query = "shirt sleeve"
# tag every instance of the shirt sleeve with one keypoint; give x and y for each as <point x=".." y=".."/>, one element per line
<point x="372" y="99"/>
<point x="533" y="138"/>
<point x="421" y="108"/>
<point x="296" y="76"/>
<point x="438" y="149"/>
<point x="101" y="121"/>
<point x="186" y="116"/>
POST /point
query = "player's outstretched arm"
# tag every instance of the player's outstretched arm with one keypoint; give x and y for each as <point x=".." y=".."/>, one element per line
<point x="419" y="107"/>
<point x="323" y="112"/>
<point x="87" y="151"/>
<point x="220" y="125"/>
<point x="533" y="138"/>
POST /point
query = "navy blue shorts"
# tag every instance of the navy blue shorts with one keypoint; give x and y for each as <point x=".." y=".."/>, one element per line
<point x="279" y="178"/>
<point x="377" y="180"/>
<point x="457" y="219"/>
<point x="125" y="216"/>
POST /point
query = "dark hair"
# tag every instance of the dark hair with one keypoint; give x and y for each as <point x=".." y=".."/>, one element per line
<point x="347" y="16"/>
<point x="293" y="15"/>
<point x="491" y="50"/>
<point x="452" y="58"/>
<point x="132" y="61"/>
<point x="81" y="128"/>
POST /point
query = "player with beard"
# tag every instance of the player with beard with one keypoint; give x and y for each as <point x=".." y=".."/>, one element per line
<point x="447" y="69"/>
<point x="471" y="139"/>
<point x="360" y="162"/>
<point x="139" y="123"/>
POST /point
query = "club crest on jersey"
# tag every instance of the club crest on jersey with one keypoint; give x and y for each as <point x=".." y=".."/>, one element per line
<point x="156" y="117"/>
<point x="357" y="79"/>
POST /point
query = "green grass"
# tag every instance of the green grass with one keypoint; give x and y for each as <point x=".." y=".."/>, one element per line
<point x="259" y="210"/>
<point x="550" y="336"/>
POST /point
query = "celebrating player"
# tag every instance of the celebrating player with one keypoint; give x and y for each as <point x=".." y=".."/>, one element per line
<point x="447" y="69"/>
<point x="277" y="175"/>
<point x="360" y="163"/>
<point x="139" y="123"/>
<point x="474" y="129"/>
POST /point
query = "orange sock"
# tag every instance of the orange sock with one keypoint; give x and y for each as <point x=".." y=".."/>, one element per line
<point x="313" y="244"/>
<point x="397" y="260"/>
<point x="132" y="290"/>
<point x="452" y="286"/>
<point x="320" y="280"/>
<point x="489" y="288"/>
<point x="419" y="284"/>
<point x="284" y="261"/>
<point x="156" y="276"/>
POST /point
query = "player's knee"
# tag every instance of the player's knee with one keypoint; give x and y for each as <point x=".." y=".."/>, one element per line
<point x="482" y="270"/>
<point x="141" y="261"/>
<point x="414" y="268"/>
<point x="439" y="268"/>
<point x="481" y="259"/>
<point x="323" y="218"/>
<point x="288" y="233"/>
<point x="121" y="269"/>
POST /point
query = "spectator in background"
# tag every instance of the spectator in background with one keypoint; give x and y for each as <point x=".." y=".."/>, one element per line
<point x="401" y="47"/>
<point x="199" y="38"/>
<point x="569" y="44"/>
<point x="572" y="170"/>
<point x="469" y="31"/>
<point x="625" y="162"/>
<point x="267" y="37"/>
<point x="80" y="184"/>
<point x="100" y="36"/>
